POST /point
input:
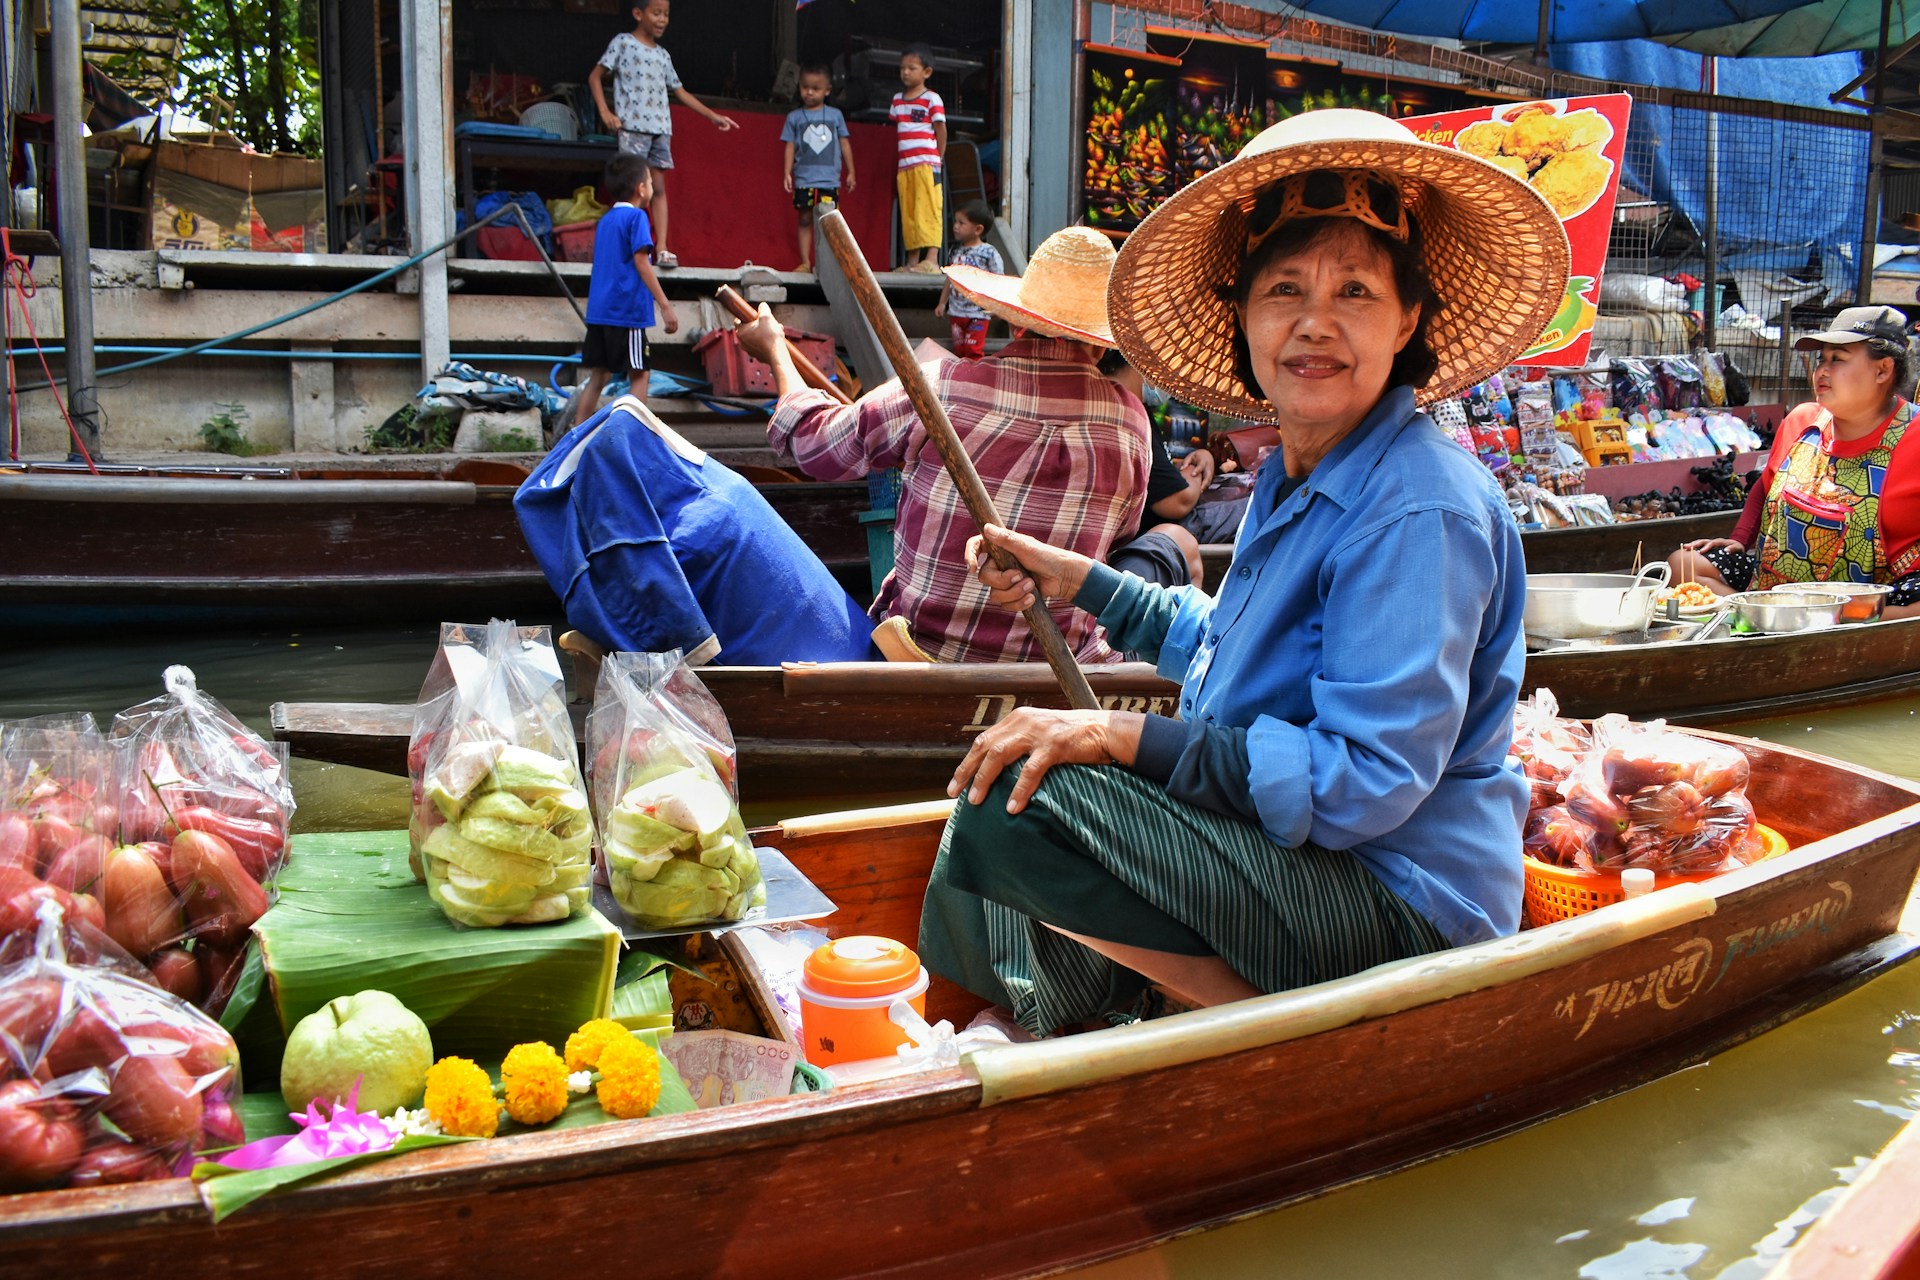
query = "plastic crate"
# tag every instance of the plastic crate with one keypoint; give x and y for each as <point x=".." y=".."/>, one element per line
<point x="506" y="244"/>
<point x="1561" y="893"/>
<point x="735" y="373"/>
<point x="573" y="241"/>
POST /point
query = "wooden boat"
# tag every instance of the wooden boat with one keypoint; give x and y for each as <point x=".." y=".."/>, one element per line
<point x="1597" y="549"/>
<point x="864" y="728"/>
<point x="1033" y="1157"/>
<point x="259" y="545"/>
<point x="1873" y="1231"/>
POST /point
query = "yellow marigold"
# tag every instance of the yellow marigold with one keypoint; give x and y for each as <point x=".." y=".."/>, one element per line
<point x="629" y="1078"/>
<point x="584" y="1045"/>
<point x="460" y="1098"/>
<point x="534" y="1080"/>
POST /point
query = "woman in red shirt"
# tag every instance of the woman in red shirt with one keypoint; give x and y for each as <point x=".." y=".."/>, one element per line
<point x="1840" y="497"/>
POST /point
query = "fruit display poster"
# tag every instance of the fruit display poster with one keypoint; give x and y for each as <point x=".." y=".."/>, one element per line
<point x="1570" y="150"/>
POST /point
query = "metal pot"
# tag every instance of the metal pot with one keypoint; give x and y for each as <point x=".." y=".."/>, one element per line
<point x="1866" y="601"/>
<point x="1787" y="611"/>
<point x="1575" y="606"/>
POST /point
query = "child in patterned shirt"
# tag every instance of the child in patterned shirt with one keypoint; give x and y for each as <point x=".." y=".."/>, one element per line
<point x="640" y="117"/>
<point x="966" y="320"/>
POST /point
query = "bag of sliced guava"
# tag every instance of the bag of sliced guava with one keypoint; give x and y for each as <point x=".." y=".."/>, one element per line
<point x="676" y="851"/>
<point x="500" y="829"/>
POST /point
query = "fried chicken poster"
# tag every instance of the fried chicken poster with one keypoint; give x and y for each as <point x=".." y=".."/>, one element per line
<point x="1570" y="151"/>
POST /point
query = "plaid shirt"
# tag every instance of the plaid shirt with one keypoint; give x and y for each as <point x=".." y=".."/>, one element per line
<point x="1062" y="451"/>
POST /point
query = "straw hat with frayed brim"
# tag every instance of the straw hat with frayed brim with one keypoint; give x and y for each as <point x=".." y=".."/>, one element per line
<point x="1493" y="247"/>
<point x="1063" y="293"/>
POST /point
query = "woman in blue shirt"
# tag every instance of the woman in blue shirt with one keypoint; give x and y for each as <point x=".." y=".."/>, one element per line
<point x="1335" y="793"/>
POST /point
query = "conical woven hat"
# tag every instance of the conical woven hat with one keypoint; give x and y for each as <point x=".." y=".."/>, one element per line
<point x="1493" y="247"/>
<point x="1063" y="293"/>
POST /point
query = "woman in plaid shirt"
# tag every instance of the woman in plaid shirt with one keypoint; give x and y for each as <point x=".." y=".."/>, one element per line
<point x="1062" y="451"/>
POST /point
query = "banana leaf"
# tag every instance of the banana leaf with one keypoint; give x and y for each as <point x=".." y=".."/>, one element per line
<point x="351" y="917"/>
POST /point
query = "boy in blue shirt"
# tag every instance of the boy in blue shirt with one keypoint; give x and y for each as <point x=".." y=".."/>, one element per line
<point x="623" y="289"/>
<point x="813" y="134"/>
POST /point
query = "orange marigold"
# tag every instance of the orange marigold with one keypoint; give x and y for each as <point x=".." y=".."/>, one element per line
<point x="629" y="1078"/>
<point x="584" y="1045"/>
<point x="534" y="1080"/>
<point x="460" y="1099"/>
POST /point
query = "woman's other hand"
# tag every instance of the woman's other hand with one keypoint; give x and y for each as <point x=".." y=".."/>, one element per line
<point x="1044" y="738"/>
<point x="1045" y="572"/>
<point x="1198" y="465"/>
<point x="1704" y="545"/>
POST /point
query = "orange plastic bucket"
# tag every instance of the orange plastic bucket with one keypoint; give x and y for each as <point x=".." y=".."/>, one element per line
<point x="1561" y="893"/>
<point x="846" y="987"/>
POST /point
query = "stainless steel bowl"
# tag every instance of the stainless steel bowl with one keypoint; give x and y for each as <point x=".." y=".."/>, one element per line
<point x="1576" y="606"/>
<point x="1865" y="601"/>
<point x="1783" y="612"/>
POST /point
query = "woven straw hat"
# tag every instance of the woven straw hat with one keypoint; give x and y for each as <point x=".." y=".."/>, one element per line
<point x="1494" y="249"/>
<point x="1063" y="294"/>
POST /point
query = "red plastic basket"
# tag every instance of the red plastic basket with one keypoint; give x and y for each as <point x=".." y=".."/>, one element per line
<point x="573" y="241"/>
<point x="735" y="373"/>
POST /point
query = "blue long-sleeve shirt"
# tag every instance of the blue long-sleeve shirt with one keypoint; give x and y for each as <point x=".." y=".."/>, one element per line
<point x="1353" y="685"/>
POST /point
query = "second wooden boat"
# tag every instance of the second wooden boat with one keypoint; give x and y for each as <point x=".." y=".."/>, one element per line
<point x="1031" y="1158"/>
<point x="863" y="728"/>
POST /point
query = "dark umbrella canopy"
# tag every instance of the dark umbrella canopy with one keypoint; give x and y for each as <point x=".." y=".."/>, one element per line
<point x="1569" y="21"/>
<point x="1829" y="26"/>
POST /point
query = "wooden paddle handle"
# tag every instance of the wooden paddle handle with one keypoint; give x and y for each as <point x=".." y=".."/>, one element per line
<point x="886" y="326"/>
<point x="809" y="372"/>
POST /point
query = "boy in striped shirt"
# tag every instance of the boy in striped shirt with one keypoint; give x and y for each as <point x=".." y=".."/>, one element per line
<point x="920" y="124"/>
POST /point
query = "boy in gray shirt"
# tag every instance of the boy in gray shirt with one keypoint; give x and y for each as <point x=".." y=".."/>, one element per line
<point x="815" y="152"/>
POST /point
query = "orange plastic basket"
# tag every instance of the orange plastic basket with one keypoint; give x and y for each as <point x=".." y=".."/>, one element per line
<point x="1561" y="893"/>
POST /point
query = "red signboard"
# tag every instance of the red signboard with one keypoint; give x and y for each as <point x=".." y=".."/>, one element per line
<point x="1569" y="150"/>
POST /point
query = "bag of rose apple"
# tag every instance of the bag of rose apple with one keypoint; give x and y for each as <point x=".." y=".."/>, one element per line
<point x="500" y="827"/>
<point x="58" y="812"/>
<point x="104" y="1079"/>
<point x="662" y="763"/>
<point x="206" y="803"/>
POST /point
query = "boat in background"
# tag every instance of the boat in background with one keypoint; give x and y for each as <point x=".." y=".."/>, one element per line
<point x="852" y="728"/>
<point x="1037" y="1157"/>
<point x="1872" y="1232"/>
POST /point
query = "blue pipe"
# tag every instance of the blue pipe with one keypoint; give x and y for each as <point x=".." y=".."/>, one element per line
<point x="469" y="356"/>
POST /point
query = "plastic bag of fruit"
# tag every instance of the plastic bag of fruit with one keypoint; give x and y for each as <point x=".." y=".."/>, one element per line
<point x="677" y="853"/>
<point x="105" y="1079"/>
<point x="1547" y="747"/>
<point x="58" y="812"/>
<point x="501" y="830"/>
<point x="1648" y="796"/>
<point x="189" y="764"/>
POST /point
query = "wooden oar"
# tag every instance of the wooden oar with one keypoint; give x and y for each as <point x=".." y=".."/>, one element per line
<point x="809" y="372"/>
<point x="959" y="466"/>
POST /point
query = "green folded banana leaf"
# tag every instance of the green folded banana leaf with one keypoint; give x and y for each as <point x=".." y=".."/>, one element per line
<point x="350" y="917"/>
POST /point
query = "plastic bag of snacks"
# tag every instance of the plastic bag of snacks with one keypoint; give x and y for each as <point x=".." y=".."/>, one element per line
<point x="676" y="850"/>
<point x="1679" y="380"/>
<point x="500" y="831"/>
<point x="1713" y="377"/>
<point x="1634" y="388"/>
<point x="1648" y="796"/>
<point x="103" y="1078"/>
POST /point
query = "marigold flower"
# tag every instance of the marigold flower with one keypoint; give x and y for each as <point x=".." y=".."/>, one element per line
<point x="584" y="1045"/>
<point x="534" y="1081"/>
<point x="629" y="1078"/>
<point x="460" y="1099"/>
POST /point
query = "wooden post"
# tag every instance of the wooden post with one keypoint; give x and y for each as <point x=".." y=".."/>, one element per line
<point x="933" y="415"/>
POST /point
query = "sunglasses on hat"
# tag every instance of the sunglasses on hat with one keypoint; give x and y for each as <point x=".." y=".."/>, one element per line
<point x="1361" y="194"/>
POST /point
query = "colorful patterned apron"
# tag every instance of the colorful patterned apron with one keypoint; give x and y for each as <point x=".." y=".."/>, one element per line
<point x="1822" y="518"/>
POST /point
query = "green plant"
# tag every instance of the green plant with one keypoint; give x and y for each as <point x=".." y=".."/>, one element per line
<point x="512" y="440"/>
<point x="226" y="431"/>
<point x="408" y="430"/>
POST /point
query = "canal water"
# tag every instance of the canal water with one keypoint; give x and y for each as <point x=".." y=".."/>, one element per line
<point x="1713" y="1171"/>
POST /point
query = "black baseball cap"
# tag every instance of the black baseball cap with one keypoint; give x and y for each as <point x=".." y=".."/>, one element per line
<point x="1883" y="328"/>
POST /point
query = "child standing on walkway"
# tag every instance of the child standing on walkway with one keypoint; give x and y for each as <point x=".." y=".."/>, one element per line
<point x="815" y="152"/>
<point x="640" y="117"/>
<point x="966" y="319"/>
<point x="920" y="123"/>
<point x="623" y="290"/>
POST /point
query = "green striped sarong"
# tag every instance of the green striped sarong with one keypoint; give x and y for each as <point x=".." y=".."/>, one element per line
<point x="1108" y="854"/>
